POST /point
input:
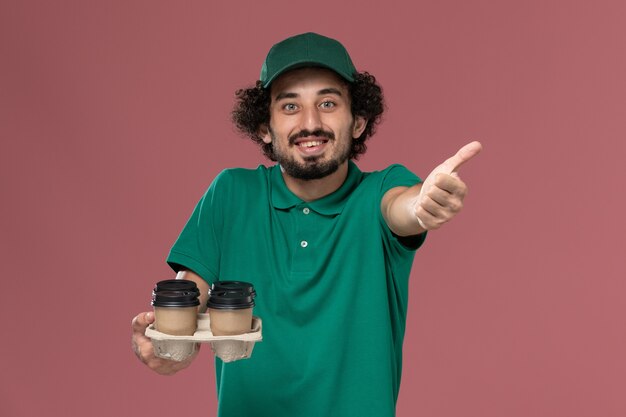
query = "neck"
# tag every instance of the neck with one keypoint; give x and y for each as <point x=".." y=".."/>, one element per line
<point x="310" y="190"/>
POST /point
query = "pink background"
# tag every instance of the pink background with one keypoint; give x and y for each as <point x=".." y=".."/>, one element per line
<point x="114" y="118"/>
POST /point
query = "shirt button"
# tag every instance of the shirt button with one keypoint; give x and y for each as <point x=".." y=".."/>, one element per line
<point x="306" y="210"/>
<point x="304" y="243"/>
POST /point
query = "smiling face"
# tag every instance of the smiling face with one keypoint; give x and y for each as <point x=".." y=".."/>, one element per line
<point x="311" y="124"/>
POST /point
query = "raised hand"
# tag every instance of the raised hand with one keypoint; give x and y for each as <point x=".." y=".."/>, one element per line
<point x="442" y="193"/>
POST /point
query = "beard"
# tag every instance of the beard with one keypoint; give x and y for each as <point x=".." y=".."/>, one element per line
<point x="313" y="167"/>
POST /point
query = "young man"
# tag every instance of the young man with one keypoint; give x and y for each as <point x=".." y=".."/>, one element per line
<point x="328" y="248"/>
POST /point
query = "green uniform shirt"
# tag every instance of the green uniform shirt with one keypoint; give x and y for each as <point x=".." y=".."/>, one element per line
<point x="332" y="286"/>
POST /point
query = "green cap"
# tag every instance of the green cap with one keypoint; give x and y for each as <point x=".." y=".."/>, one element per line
<point x="307" y="50"/>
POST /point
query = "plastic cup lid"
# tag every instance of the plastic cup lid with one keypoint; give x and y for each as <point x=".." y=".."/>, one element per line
<point x="230" y="300"/>
<point x="175" y="299"/>
<point x="243" y="286"/>
<point x="176" y="285"/>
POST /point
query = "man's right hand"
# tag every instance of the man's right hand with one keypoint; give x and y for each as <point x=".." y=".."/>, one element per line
<point x="142" y="346"/>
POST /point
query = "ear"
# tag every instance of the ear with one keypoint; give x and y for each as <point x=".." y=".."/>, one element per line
<point x="360" y="123"/>
<point x="264" y="133"/>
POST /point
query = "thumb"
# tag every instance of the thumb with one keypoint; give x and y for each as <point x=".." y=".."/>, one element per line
<point x="467" y="152"/>
<point x="142" y="321"/>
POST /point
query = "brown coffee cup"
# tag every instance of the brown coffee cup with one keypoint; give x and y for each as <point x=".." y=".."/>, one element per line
<point x="230" y="307"/>
<point x="176" y="308"/>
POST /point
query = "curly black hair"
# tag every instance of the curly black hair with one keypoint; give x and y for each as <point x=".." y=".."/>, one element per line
<point x="252" y="110"/>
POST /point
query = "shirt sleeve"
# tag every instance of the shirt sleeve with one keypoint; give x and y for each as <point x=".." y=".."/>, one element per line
<point x="197" y="247"/>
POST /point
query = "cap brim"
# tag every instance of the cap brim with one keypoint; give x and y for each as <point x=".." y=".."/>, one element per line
<point x="304" y="64"/>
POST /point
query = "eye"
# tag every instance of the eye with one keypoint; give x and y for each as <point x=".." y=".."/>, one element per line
<point x="327" y="104"/>
<point x="290" y="107"/>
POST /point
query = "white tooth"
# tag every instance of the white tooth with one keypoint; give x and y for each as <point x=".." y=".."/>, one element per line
<point x="311" y="144"/>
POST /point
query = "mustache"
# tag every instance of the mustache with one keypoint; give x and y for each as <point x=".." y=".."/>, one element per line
<point x="305" y="133"/>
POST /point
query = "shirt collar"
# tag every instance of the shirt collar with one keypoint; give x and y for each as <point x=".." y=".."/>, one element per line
<point x="283" y="198"/>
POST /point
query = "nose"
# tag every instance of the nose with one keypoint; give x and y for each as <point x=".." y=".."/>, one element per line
<point x="311" y="119"/>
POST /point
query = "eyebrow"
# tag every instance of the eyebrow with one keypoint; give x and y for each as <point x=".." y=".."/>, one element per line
<point x="329" y="90"/>
<point x="281" y="96"/>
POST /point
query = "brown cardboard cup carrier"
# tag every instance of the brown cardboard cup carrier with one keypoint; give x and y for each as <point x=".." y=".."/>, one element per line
<point x="229" y="327"/>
